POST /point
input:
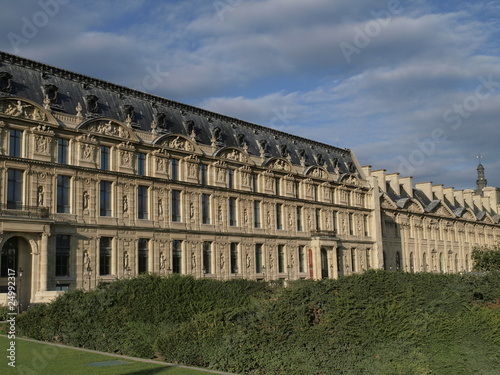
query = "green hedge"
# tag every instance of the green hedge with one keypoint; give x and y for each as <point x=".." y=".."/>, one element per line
<point x="373" y="323"/>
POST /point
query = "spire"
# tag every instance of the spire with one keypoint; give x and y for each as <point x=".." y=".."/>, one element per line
<point x="481" y="179"/>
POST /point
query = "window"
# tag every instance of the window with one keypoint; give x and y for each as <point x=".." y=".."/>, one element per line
<point x="335" y="219"/>
<point x="281" y="258"/>
<point x="299" y="218"/>
<point x="230" y="179"/>
<point x="234" y="257"/>
<point x="301" y="259"/>
<point x="8" y="259"/>
<point x="62" y="255"/>
<point x="15" y="143"/>
<point x="105" y="256"/>
<point x="143" y="246"/>
<point x="15" y="189"/>
<point x="142" y="202"/>
<point x="105" y="158"/>
<point x="141" y="164"/>
<point x="176" y="256"/>
<point x="203" y="174"/>
<point x="105" y="198"/>
<point x="256" y="214"/>
<point x="315" y="189"/>
<point x="62" y="151"/>
<point x="297" y="189"/>
<point x="277" y="189"/>
<point x="174" y="169"/>
<point x="255" y="183"/>
<point x="176" y="205"/>
<point x="351" y="224"/>
<point x="205" y="208"/>
<point x="63" y="197"/>
<point x="398" y="260"/>
<point x="207" y="257"/>
<point x="279" y="219"/>
<point x="258" y="258"/>
<point x="232" y="212"/>
<point x="365" y="224"/>
<point x="353" y="259"/>
<point x="318" y="219"/>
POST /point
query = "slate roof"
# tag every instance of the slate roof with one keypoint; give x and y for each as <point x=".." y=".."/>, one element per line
<point x="33" y="80"/>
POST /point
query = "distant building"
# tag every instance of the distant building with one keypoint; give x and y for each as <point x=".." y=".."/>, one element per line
<point x="100" y="182"/>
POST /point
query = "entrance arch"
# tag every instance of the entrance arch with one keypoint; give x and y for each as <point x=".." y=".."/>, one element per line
<point x="15" y="255"/>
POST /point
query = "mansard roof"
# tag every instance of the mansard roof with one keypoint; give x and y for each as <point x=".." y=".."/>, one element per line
<point x="75" y="94"/>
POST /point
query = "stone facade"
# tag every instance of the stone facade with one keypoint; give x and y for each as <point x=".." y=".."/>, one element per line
<point x="100" y="182"/>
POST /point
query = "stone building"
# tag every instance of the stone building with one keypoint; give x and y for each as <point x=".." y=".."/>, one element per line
<point x="100" y="182"/>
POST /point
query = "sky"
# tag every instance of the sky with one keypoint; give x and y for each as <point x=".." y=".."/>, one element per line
<point x="410" y="86"/>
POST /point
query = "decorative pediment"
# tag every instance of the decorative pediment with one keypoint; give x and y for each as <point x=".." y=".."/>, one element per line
<point x="387" y="203"/>
<point x="443" y="211"/>
<point x="25" y="109"/>
<point x="350" y="179"/>
<point x="468" y="215"/>
<point x="487" y="218"/>
<point x="108" y="127"/>
<point x="233" y="154"/>
<point x="414" y="206"/>
<point x="177" y="142"/>
<point x="316" y="172"/>
<point x="279" y="164"/>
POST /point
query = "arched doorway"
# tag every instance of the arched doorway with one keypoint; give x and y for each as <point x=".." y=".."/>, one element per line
<point x="15" y="259"/>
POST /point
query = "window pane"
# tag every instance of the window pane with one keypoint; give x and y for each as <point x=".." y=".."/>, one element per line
<point x="15" y="143"/>
<point x="15" y="189"/>
<point x="142" y="202"/>
<point x="143" y="255"/>
<point x="62" y="255"/>
<point x="62" y="151"/>
<point x="105" y="256"/>
<point x="176" y="256"/>
<point x="176" y="205"/>
<point x="63" y="194"/>
<point x="207" y="257"/>
<point x="105" y="158"/>
<point x="105" y="198"/>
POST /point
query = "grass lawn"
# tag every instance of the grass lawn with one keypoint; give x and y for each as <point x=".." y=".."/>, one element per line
<point x="40" y="359"/>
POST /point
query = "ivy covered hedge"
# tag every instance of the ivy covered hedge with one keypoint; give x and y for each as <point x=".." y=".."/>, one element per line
<point x="374" y="323"/>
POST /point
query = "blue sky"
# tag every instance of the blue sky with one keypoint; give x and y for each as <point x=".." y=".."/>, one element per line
<point x="410" y="86"/>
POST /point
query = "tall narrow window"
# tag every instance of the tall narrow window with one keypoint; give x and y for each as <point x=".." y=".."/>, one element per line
<point x="205" y="208"/>
<point x="142" y="202"/>
<point x="203" y="174"/>
<point x="63" y="194"/>
<point x="105" y="158"/>
<point x="174" y="169"/>
<point x="143" y="249"/>
<point x="230" y="179"/>
<point x="15" y="189"/>
<point x="318" y="219"/>
<point x="141" y="164"/>
<point x="299" y="218"/>
<point x="176" y="256"/>
<point x="62" y="255"/>
<point x="316" y="195"/>
<point x="281" y="258"/>
<point x="105" y="198"/>
<point x="398" y="261"/>
<point x="297" y="189"/>
<point x="301" y="259"/>
<point x="234" y="257"/>
<point x="279" y="218"/>
<point x="258" y="258"/>
<point x="353" y="260"/>
<point x="176" y="205"/>
<point x="365" y="224"/>
<point x="256" y="214"/>
<point x="351" y="224"/>
<point x="207" y="257"/>
<point x="335" y="221"/>
<point x="277" y="189"/>
<point x="255" y="183"/>
<point x="232" y="211"/>
<point x="15" y="143"/>
<point x="62" y="151"/>
<point x="105" y="256"/>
